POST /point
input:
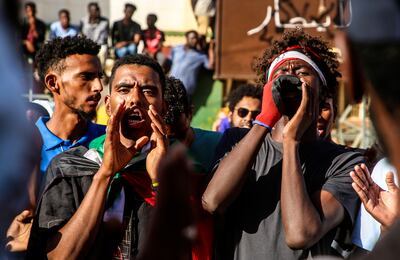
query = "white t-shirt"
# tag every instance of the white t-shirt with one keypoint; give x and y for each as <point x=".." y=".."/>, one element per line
<point x="367" y="230"/>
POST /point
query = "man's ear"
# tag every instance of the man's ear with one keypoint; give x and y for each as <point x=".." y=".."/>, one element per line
<point x="107" y="101"/>
<point x="51" y="82"/>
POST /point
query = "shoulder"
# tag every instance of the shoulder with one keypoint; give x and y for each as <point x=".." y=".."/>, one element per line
<point x="40" y="22"/>
<point x="97" y="129"/>
<point x="229" y="139"/>
<point x="206" y="134"/>
<point x="72" y="163"/>
<point x="54" y="25"/>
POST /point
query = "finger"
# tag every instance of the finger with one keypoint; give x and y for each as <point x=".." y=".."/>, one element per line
<point x="161" y="139"/>
<point x="139" y="144"/>
<point x="156" y="119"/>
<point x="367" y="173"/>
<point x="24" y="216"/>
<point x="392" y="187"/>
<point x="360" y="173"/>
<point x="115" y="118"/>
<point x="358" y="181"/>
<point x="305" y="97"/>
<point x="360" y="193"/>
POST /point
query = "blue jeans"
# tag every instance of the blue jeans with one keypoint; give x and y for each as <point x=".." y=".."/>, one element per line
<point x="126" y="50"/>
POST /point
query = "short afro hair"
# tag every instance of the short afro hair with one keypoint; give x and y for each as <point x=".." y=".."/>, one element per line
<point x="52" y="54"/>
<point x="245" y="90"/>
<point x="141" y="60"/>
<point x="326" y="60"/>
<point x="176" y="99"/>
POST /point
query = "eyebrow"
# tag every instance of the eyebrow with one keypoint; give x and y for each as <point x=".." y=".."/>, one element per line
<point x="130" y="85"/>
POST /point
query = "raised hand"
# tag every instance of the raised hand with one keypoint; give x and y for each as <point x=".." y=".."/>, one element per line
<point x="159" y="143"/>
<point x="383" y="205"/>
<point x="171" y="228"/>
<point x="116" y="155"/>
<point x="304" y="116"/>
<point x="269" y="109"/>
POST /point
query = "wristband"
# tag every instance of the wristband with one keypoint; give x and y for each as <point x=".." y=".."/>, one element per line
<point x="154" y="185"/>
<point x="257" y="122"/>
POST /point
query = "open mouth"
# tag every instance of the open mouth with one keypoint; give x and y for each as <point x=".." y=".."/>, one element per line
<point x="134" y="118"/>
<point x="320" y="130"/>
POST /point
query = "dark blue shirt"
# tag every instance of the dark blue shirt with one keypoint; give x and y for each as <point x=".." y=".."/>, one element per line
<point x="53" y="145"/>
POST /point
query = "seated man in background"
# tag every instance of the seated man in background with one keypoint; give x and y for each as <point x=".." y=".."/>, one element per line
<point x="62" y="28"/>
<point x="95" y="27"/>
<point x="153" y="39"/>
<point x="33" y="31"/>
<point x="126" y="33"/>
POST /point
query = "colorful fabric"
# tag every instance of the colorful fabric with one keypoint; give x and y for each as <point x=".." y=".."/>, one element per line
<point x="140" y="181"/>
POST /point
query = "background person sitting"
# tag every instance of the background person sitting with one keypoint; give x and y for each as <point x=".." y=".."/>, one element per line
<point x="126" y="33"/>
<point x="62" y="28"/>
<point x="153" y="39"/>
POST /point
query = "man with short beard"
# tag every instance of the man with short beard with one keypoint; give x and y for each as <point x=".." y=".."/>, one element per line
<point x="96" y="203"/>
<point x="71" y="71"/>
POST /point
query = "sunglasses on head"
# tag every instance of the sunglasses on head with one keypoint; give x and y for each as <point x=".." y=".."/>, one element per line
<point x="242" y="112"/>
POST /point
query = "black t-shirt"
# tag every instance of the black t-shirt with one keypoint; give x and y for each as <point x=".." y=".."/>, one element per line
<point x="124" y="32"/>
<point x="252" y="228"/>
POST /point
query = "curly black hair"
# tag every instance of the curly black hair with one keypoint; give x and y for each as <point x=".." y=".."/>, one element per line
<point x="245" y="90"/>
<point x="176" y="99"/>
<point x="52" y="54"/>
<point x="326" y="60"/>
<point x="142" y="60"/>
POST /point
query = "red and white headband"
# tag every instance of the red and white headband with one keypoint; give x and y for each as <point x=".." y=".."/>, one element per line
<point x="294" y="55"/>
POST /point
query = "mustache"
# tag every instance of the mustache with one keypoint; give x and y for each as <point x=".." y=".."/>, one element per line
<point x="95" y="97"/>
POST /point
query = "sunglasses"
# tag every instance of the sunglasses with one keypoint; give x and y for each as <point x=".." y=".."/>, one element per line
<point x="242" y="112"/>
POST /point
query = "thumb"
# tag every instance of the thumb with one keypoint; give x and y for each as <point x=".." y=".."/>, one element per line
<point x="139" y="144"/>
<point x="392" y="187"/>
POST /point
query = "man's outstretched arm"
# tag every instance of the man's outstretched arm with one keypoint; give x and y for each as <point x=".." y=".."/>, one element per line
<point x="230" y="175"/>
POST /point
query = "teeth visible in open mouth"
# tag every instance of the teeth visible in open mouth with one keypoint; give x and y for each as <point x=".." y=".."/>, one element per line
<point x="135" y="117"/>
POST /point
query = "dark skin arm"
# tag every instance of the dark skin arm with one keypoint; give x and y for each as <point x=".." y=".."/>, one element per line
<point x="305" y="219"/>
<point x="211" y="55"/>
<point x="75" y="238"/>
<point x="231" y="174"/>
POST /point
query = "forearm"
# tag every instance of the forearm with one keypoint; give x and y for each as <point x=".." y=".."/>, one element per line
<point x="231" y="173"/>
<point x="211" y="59"/>
<point x="301" y="220"/>
<point x="75" y="238"/>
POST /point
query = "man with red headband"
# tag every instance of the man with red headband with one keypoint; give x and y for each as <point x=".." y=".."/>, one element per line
<point x="284" y="193"/>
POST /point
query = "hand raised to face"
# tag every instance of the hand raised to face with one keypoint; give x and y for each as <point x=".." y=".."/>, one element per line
<point x="116" y="155"/>
<point x="159" y="143"/>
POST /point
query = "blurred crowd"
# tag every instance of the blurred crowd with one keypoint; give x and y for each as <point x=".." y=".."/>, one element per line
<point x="268" y="182"/>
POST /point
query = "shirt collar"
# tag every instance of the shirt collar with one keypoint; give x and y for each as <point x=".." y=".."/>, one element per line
<point x="50" y="140"/>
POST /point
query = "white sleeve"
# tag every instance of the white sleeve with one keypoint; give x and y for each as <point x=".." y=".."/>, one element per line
<point x="367" y="230"/>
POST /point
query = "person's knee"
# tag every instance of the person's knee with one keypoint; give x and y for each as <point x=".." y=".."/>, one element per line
<point x="121" y="52"/>
<point x="132" y="48"/>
